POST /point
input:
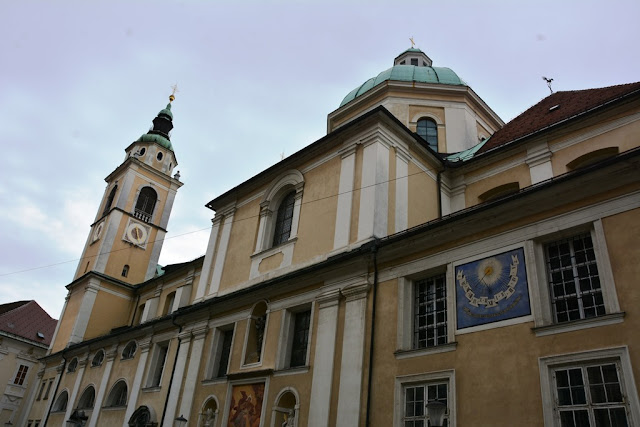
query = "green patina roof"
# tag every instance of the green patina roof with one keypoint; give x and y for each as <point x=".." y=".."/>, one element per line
<point x="151" y="137"/>
<point x="407" y="73"/>
<point x="167" y="111"/>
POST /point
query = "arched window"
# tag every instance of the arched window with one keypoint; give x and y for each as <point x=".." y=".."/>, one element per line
<point x="428" y="130"/>
<point x="73" y="365"/>
<point x="592" y="157"/>
<point x="118" y="395"/>
<point x="284" y="219"/>
<point x="61" y="402"/>
<point x="98" y="358"/>
<point x="255" y="335"/>
<point x="109" y="201"/>
<point x="145" y="204"/>
<point x="499" y="191"/>
<point x="129" y="350"/>
<point x="125" y="270"/>
<point x="87" y="399"/>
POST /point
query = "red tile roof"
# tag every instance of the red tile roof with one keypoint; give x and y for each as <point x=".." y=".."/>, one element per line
<point x="569" y="104"/>
<point x="26" y="319"/>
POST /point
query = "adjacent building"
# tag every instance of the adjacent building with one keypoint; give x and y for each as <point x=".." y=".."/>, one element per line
<point x="422" y="251"/>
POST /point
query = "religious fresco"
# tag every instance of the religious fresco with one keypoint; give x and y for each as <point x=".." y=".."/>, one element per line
<point x="492" y="289"/>
<point x="245" y="408"/>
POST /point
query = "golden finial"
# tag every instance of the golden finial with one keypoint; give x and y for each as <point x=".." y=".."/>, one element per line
<point x="412" y="42"/>
<point x="173" y="94"/>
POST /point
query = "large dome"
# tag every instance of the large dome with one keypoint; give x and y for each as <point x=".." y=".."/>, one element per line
<point x="423" y="73"/>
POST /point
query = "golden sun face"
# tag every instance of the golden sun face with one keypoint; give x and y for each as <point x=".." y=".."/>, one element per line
<point x="489" y="271"/>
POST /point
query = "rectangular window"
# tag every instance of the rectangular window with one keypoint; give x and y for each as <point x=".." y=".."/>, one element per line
<point x="21" y="375"/>
<point x="44" y="383"/>
<point x="416" y="398"/>
<point x="225" y="352"/>
<point x="300" y="338"/>
<point x="590" y="396"/>
<point x="157" y="365"/>
<point x="574" y="282"/>
<point x="430" y="312"/>
<point x="46" y="395"/>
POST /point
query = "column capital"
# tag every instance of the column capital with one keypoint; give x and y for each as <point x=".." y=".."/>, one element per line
<point x="328" y="299"/>
<point x="144" y="344"/>
<point x="356" y="292"/>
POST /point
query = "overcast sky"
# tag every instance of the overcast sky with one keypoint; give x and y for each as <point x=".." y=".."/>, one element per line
<point x="80" y="81"/>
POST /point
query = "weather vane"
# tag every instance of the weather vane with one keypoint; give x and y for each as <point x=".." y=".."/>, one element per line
<point x="548" y="82"/>
<point x="412" y="42"/>
<point x="173" y="93"/>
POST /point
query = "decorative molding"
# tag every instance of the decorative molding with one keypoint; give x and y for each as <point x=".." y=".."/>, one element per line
<point x="594" y="132"/>
<point x="576" y="325"/>
<point x="419" y="352"/>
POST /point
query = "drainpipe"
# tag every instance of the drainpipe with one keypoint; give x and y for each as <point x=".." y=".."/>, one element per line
<point x="374" y="249"/>
<point x="173" y="370"/>
<point x="439" y="181"/>
<point x="55" y="392"/>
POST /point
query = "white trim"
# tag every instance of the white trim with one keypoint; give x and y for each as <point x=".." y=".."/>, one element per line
<point x="420" y="352"/>
<point x="207" y="264"/>
<point x="620" y="354"/>
<point x="276" y="408"/>
<point x="425" y="378"/>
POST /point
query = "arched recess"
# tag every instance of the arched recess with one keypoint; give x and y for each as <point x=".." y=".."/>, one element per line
<point x="256" y="328"/>
<point x="60" y="405"/>
<point x="287" y="184"/>
<point x="73" y="365"/>
<point x="592" y="157"/>
<point x="129" y="350"/>
<point x="87" y="398"/>
<point x="499" y="191"/>
<point x="144" y="416"/>
<point x="98" y="358"/>
<point x="145" y="204"/>
<point x="109" y="201"/>
<point x="286" y="408"/>
<point x="209" y="413"/>
<point x="168" y="303"/>
<point x="117" y="397"/>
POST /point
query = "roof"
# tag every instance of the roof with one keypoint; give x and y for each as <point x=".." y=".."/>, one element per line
<point x="26" y="319"/>
<point x="554" y="109"/>
<point x="407" y="73"/>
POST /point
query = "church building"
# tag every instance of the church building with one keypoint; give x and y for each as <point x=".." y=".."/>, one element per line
<point x="423" y="264"/>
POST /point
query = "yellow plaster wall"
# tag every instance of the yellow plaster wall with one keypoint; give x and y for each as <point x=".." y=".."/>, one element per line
<point x="519" y="173"/>
<point x="418" y="111"/>
<point x="423" y="196"/>
<point x="318" y="211"/>
<point x="625" y="138"/>
<point x="355" y="202"/>
<point x="68" y="319"/>
<point x="109" y="311"/>
<point x="241" y="244"/>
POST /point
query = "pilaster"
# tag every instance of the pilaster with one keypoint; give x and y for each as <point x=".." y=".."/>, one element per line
<point x="84" y="312"/>
<point x="207" y="264"/>
<point x="402" y="190"/>
<point x="373" y="215"/>
<point x="82" y="365"/>
<point x="539" y="161"/>
<point x="197" y="345"/>
<point x="323" y="359"/>
<point x="345" y="198"/>
<point x="143" y="346"/>
<point x="221" y="253"/>
<point x="181" y="362"/>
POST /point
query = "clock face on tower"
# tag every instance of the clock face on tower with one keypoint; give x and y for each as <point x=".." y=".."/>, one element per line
<point x="136" y="233"/>
<point x="98" y="231"/>
<point x="492" y="289"/>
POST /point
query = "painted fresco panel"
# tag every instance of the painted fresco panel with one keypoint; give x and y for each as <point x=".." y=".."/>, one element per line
<point x="245" y="408"/>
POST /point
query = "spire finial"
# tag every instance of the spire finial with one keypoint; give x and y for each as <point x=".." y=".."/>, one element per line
<point x="173" y="93"/>
<point x="548" y="80"/>
<point x="412" y="42"/>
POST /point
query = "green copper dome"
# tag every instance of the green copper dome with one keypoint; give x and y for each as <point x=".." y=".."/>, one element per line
<point x="422" y="73"/>
<point x="162" y="125"/>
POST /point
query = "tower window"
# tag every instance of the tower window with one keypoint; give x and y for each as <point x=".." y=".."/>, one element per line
<point x="109" y="201"/>
<point x="284" y="219"/>
<point x="159" y="156"/>
<point x="125" y="270"/>
<point x="428" y="130"/>
<point x="145" y="204"/>
<point x="414" y="61"/>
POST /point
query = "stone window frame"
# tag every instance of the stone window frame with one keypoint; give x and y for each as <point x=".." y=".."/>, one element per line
<point x="98" y="358"/>
<point x="285" y="339"/>
<point x="618" y="355"/>
<point x="251" y="321"/>
<point x="540" y="294"/>
<point x="158" y="364"/>
<point x="111" y="397"/>
<point x="406" y="312"/>
<point x="58" y="403"/>
<point x="427" y="378"/>
<point x="217" y="342"/>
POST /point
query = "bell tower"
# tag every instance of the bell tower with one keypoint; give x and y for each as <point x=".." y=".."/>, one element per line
<point x="127" y="233"/>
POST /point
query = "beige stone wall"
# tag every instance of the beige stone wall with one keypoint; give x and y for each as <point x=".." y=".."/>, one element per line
<point x="109" y="311"/>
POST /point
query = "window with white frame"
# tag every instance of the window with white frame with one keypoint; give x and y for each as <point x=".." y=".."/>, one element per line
<point x="430" y="312"/>
<point x="221" y="352"/>
<point x="589" y="389"/>
<point x="61" y="402"/>
<point x="98" y="358"/>
<point x="424" y="309"/>
<point x="577" y="288"/>
<point x="154" y="377"/>
<point x="414" y="392"/>
<point x="294" y="337"/>
<point x="129" y="350"/>
<point x="574" y="282"/>
<point x="21" y="375"/>
<point x="87" y="399"/>
<point x="118" y="395"/>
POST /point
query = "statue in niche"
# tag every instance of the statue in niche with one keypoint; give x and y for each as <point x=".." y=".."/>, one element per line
<point x="260" y="323"/>
<point x="209" y="417"/>
<point x="289" y="419"/>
